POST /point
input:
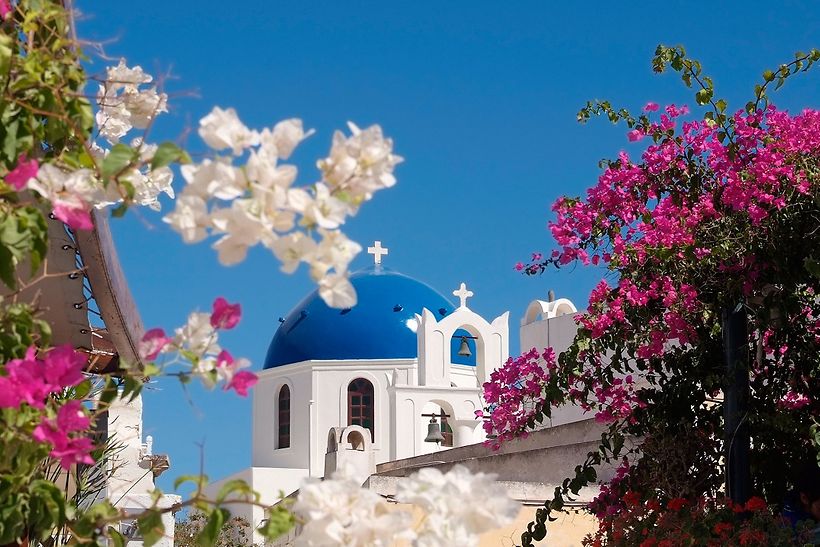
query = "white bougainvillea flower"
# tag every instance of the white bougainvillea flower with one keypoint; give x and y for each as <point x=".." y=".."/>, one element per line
<point x="448" y="520"/>
<point x="293" y="249"/>
<point x="150" y="185"/>
<point x="71" y="193"/>
<point x="214" y="179"/>
<point x="338" y="512"/>
<point x="222" y="129"/>
<point x="123" y="105"/>
<point x="284" y="138"/>
<point x="335" y="251"/>
<point x="190" y="218"/>
<point x="360" y="164"/>
<point x="242" y="230"/>
<point x="323" y="210"/>
<point x="198" y="336"/>
<point x="262" y="169"/>
<point x="337" y="291"/>
<point x="121" y="76"/>
<point x="144" y="105"/>
<point x="113" y="119"/>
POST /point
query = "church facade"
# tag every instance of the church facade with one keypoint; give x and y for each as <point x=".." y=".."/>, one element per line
<point x="364" y="384"/>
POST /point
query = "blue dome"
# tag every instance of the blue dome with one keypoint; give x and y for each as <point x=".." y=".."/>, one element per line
<point x="382" y="325"/>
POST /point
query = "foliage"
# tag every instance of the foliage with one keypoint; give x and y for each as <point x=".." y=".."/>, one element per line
<point x="717" y="213"/>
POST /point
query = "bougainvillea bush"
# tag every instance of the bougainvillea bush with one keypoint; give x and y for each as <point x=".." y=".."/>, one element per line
<point x="708" y="211"/>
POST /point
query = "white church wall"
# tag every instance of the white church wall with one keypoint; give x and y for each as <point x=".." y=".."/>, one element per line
<point x="332" y="379"/>
<point x="265" y="452"/>
<point x="463" y="375"/>
<point x="552" y="324"/>
<point x="410" y="428"/>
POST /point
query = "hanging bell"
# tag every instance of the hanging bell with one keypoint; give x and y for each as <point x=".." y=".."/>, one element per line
<point x="464" y="349"/>
<point x="433" y="432"/>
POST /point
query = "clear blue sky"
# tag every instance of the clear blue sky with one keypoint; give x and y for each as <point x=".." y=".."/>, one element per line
<point x="480" y="98"/>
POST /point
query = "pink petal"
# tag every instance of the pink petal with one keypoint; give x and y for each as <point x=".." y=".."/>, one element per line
<point x="225" y="315"/>
<point x="77" y="218"/>
<point x="25" y="170"/>
<point x="242" y="382"/>
<point x="153" y="343"/>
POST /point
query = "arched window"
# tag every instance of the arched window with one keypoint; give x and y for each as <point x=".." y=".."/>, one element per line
<point x="360" y="408"/>
<point x="283" y="422"/>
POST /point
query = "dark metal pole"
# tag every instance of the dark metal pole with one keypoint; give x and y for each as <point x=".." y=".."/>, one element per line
<point x="736" y="403"/>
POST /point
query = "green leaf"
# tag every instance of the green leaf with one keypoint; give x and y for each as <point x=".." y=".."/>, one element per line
<point x="237" y="486"/>
<point x="768" y="75"/>
<point x="812" y="266"/>
<point x="116" y="537"/>
<point x="117" y="159"/>
<point x="7" y="267"/>
<point x="120" y="210"/>
<point x="151" y="527"/>
<point x="279" y="520"/>
<point x="198" y="480"/>
<point x="210" y="532"/>
<point x="168" y="153"/>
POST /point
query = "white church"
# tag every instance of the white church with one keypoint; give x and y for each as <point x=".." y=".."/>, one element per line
<point x="364" y="384"/>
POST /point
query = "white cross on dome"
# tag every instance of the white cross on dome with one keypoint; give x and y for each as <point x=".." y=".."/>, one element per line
<point x="463" y="294"/>
<point x="377" y="251"/>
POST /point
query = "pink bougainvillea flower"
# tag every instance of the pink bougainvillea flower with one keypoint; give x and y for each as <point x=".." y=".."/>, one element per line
<point x="25" y="169"/>
<point x="27" y="378"/>
<point x="71" y="418"/>
<point x="9" y="394"/>
<point x="519" y="266"/>
<point x="241" y="382"/>
<point x="5" y="9"/>
<point x="153" y="343"/>
<point x="75" y="217"/>
<point x="634" y="135"/>
<point x="64" y="367"/>
<point x="793" y="401"/>
<point x="225" y="315"/>
<point x="651" y="107"/>
<point x="224" y="359"/>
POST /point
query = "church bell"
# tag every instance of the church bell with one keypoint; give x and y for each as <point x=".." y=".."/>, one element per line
<point x="464" y="349"/>
<point x="433" y="432"/>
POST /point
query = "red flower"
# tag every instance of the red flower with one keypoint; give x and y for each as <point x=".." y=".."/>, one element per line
<point x="632" y="499"/>
<point x="756" y="504"/>
<point x="676" y="504"/>
<point x="752" y="537"/>
<point x="723" y="528"/>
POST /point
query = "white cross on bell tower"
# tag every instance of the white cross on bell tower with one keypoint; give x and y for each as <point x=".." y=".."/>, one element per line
<point x="463" y="294"/>
<point x="377" y="251"/>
